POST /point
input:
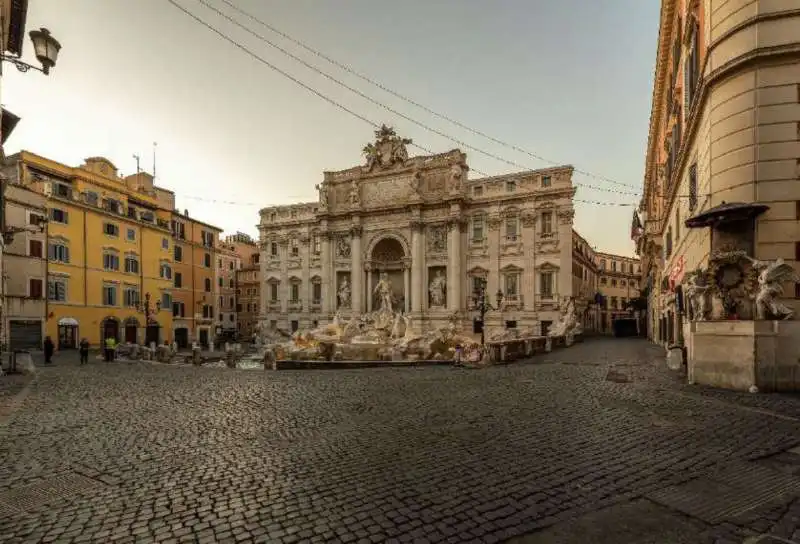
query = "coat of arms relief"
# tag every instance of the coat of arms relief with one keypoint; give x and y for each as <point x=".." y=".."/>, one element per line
<point x="387" y="150"/>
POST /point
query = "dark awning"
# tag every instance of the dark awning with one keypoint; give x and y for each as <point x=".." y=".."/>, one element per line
<point x="726" y="213"/>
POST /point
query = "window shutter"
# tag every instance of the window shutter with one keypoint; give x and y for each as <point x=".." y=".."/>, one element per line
<point x="51" y="252"/>
<point x="66" y="254"/>
<point x="688" y="87"/>
<point x="66" y="216"/>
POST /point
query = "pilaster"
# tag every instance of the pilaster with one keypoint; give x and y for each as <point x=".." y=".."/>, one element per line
<point x="418" y="265"/>
<point x="356" y="269"/>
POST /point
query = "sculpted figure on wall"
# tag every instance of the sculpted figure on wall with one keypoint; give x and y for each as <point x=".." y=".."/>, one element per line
<point x="416" y="183"/>
<point x="456" y="178"/>
<point x="771" y="276"/>
<point x="323" y="195"/>
<point x="384" y="290"/>
<point x="437" y="289"/>
<point x="342" y="247"/>
<point x="355" y="194"/>
<point x="387" y="150"/>
<point x="437" y="239"/>
<point x="344" y="294"/>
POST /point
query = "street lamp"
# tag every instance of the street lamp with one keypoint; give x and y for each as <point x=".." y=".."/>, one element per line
<point x="147" y="309"/>
<point x="46" y="49"/>
<point x="482" y="305"/>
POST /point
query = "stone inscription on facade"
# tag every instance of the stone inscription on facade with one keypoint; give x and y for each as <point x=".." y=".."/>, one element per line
<point x="385" y="192"/>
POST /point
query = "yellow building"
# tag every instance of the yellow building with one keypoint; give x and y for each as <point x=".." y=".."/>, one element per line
<point x="619" y="285"/>
<point x="110" y="251"/>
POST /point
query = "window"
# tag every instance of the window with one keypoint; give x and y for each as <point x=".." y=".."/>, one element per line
<point x="691" y="69"/>
<point x="59" y="216"/>
<point x="221" y="303"/>
<point x="547" y="223"/>
<point x="613" y="303"/>
<point x="178" y="279"/>
<point x="220" y="281"/>
<point x="316" y="293"/>
<point x="230" y="283"/>
<point x="131" y="297"/>
<point x="58" y="252"/>
<point x="131" y="235"/>
<point x="295" y="292"/>
<point x="57" y="289"/>
<point x="110" y="229"/>
<point x="207" y="260"/>
<point x="178" y="253"/>
<point x="131" y="264"/>
<point x="109" y="295"/>
<point x="208" y="311"/>
<point x="178" y="309"/>
<point x="273" y="292"/>
<point x="231" y="302"/>
<point x="230" y="265"/>
<point x="622" y="283"/>
<point x="613" y="266"/>
<point x="166" y="300"/>
<point x="166" y="271"/>
<point x="613" y="283"/>
<point x="316" y="244"/>
<point x="165" y="243"/>
<point x="512" y="224"/>
<point x="272" y="217"/>
<point x="295" y="247"/>
<point x="91" y="198"/>
<point x="36" y="220"/>
<point x="603" y="281"/>
<point x="693" y="186"/>
<point x="61" y="190"/>
<point x="231" y="317"/>
<point x="179" y="230"/>
<point x="547" y="181"/>
<point x="546" y="284"/>
<point x="110" y="261"/>
<point x="511" y="282"/>
<point x="208" y="285"/>
<point x="477" y="191"/>
<point x="511" y="186"/>
<point x="273" y="249"/>
<point x="477" y="228"/>
<point x="208" y="238"/>
<point x="668" y="243"/>
<point x="35" y="248"/>
<point x="219" y="263"/>
<point x="35" y="288"/>
<point x="603" y="264"/>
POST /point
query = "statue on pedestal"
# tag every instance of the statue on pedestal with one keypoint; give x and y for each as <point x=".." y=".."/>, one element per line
<point x="771" y="276"/>
<point x="436" y="289"/>
<point x="456" y="178"/>
<point x="323" y="195"/>
<point x="354" y="196"/>
<point x="344" y="294"/>
<point x="697" y="291"/>
<point x="384" y="290"/>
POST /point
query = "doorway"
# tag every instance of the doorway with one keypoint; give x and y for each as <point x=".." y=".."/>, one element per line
<point x="131" y="330"/>
<point x="204" y="338"/>
<point x="182" y="338"/>
<point x="110" y="328"/>
<point x="152" y="334"/>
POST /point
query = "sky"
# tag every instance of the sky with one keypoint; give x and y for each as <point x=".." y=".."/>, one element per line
<point x="569" y="81"/>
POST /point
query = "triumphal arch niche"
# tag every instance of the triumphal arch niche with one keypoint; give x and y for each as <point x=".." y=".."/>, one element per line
<point x="413" y="235"/>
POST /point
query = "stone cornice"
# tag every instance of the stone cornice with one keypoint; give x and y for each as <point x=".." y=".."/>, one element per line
<point x="665" y="32"/>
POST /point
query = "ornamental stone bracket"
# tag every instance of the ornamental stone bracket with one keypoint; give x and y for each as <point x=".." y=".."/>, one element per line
<point x="493" y="222"/>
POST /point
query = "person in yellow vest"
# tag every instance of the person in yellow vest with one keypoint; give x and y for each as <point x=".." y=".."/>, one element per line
<point x="110" y="347"/>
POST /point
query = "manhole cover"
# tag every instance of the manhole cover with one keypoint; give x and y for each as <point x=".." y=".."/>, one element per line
<point x="617" y="377"/>
<point x="57" y="487"/>
<point x="729" y="493"/>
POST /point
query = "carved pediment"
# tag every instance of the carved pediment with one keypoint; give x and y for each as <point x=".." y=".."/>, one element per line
<point x="547" y="265"/>
<point x="316" y="278"/>
<point x="509" y="268"/>
<point x="273" y="280"/>
<point x="511" y="211"/>
<point x="477" y="271"/>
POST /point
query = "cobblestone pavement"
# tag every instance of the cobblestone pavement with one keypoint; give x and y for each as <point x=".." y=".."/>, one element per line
<point x="148" y="452"/>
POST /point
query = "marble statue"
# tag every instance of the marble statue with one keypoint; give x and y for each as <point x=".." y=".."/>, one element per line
<point x="384" y="290"/>
<point x="697" y="291"/>
<point x="416" y="183"/>
<point x="771" y="276"/>
<point x="436" y="289"/>
<point x="323" y="195"/>
<point x="456" y="177"/>
<point x="567" y="323"/>
<point x="344" y="294"/>
<point x="354" y="195"/>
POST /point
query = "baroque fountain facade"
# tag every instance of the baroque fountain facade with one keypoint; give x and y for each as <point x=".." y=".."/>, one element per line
<point x="389" y="256"/>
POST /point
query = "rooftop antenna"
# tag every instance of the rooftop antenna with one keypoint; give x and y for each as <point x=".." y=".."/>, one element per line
<point x="155" y="144"/>
<point x="137" y="158"/>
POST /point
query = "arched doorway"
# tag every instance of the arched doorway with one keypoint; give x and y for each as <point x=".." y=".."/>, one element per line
<point x="182" y="337"/>
<point x="109" y="328"/>
<point x="152" y="334"/>
<point x="131" y="327"/>
<point x="67" y="333"/>
<point x="388" y="257"/>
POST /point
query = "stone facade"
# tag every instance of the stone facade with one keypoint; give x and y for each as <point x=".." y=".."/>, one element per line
<point x="619" y="284"/>
<point x="585" y="286"/>
<point x="724" y="128"/>
<point x="420" y="227"/>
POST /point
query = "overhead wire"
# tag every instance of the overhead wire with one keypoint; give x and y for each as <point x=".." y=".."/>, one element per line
<point x="405" y="98"/>
<point x="341" y="106"/>
<point x="389" y="108"/>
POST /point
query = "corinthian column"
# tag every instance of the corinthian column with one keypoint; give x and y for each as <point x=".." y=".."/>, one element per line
<point x="454" y="301"/>
<point x="328" y="281"/>
<point x="356" y="269"/>
<point x="417" y="266"/>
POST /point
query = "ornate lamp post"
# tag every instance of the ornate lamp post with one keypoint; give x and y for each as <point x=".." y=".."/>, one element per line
<point x="149" y="310"/>
<point x="46" y="49"/>
<point x="482" y="305"/>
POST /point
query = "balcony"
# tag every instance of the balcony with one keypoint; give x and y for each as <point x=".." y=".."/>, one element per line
<point x="295" y="306"/>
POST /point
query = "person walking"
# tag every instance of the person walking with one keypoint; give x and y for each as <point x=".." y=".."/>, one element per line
<point x="49" y="349"/>
<point x="111" y="344"/>
<point x="83" y="348"/>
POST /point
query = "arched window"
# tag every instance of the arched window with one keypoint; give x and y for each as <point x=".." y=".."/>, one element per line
<point x="166" y="271"/>
<point x="208" y="285"/>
